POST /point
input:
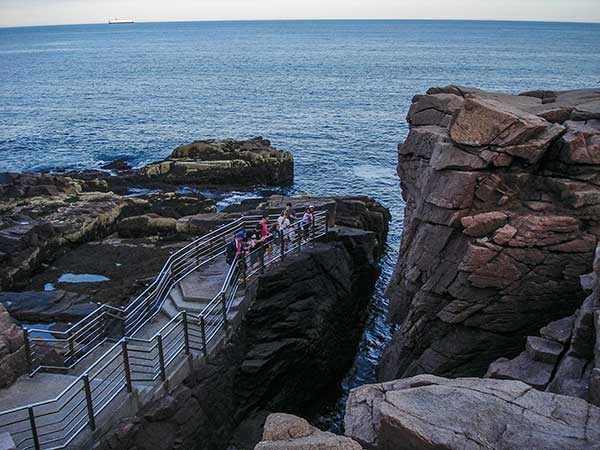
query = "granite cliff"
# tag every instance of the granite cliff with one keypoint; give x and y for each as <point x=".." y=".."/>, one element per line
<point x="502" y="217"/>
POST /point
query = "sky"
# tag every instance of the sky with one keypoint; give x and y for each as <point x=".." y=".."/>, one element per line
<point x="54" y="12"/>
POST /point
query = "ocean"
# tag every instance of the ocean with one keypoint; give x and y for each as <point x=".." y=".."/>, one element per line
<point x="335" y="93"/>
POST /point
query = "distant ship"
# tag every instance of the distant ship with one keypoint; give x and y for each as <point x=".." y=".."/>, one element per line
<point x="119" y="21"/>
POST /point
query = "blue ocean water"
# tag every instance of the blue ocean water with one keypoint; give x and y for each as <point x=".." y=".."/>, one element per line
<point x="335" y="93"/>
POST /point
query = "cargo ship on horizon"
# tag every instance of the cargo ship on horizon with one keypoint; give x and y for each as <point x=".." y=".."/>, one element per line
<point x="117" y="21"/>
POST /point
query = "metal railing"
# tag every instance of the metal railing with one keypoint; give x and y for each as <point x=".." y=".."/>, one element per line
<point x="56" y="423"/>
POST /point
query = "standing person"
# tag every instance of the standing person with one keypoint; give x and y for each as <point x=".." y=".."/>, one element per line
<point x="274" y="238"/>
<point x="264" y="226"/>
<point x="235" y="247"/>
<point x="289" y="211"/>
<point x="285" y="223"/>
<point x="307" y="221"/>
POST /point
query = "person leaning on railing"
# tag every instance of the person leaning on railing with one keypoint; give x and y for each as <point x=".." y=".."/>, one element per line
<point x="235" y="247"/>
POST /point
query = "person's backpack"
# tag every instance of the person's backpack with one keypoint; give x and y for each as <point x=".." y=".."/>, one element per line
<point x="230" y="251"/>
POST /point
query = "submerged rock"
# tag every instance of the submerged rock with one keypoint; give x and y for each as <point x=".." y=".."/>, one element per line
<point x="502" y="217"/>
<point x="429" y="412"/>
<point x="287" y="432"/>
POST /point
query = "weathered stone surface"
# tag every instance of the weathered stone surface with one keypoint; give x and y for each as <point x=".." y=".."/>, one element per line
<point x="523" y="368"/>
<point x="429" y="412"/>
<point x="287" y="432"/>
<point x="565" y="359"/>
<point x="559" y="330"/>
<point x="147" y="225"/>
<point x="491" y="252"/>
<point x="544" y="350"/>
<point x="47" y="307"/>
<point x="225" y="162"/>
<point x="12" y="355"/>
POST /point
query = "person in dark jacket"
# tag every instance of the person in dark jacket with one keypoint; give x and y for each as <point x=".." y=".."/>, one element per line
<point x="235" y="247"/>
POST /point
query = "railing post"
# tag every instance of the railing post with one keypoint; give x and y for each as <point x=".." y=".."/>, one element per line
<point x="34" y="434"/>
<point x="312" y="225"/>
<point x="71" y="346"/>
<point x="244" y="268"/>
<point x="203" y="336"/>
<point x="186" y="335"/>
<point x="88" y="399"/>
<point x="27" y="343"/>
<point x="261" y="251"/>
<point x="224" y="306"/>
<point x="299" y="232"/>
<point x="126" y="365"/>
<point x="326" y="222"/>
<point x="161" y="359"/>
<point x="281" y="244"/>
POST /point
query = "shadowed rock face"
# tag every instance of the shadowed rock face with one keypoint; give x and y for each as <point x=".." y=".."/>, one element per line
<point x="429" y="412"/>
<point x="297" y="339"/>
<point x="502" y="217"/>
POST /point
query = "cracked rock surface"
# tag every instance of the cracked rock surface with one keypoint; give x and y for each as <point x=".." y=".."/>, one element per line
<point x="287" y="432"/>
<point x="429" y="412"/>
<point x="502" y="217"/>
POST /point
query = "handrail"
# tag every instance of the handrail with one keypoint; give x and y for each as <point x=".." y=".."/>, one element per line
<point x="55" y="423"/>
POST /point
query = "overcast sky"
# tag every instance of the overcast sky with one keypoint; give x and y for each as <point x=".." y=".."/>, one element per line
<point x="42" y="12"/>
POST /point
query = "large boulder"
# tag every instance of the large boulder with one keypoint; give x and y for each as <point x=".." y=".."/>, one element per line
<point x="429" y="412"/>
<point x="287" y="432"/>
<point x="224" y="162"/>
<point x="13" y="361"/>
<point x="502" y="216"/>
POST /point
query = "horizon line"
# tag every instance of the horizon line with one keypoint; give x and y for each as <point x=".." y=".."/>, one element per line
<point x="312" y="20"/>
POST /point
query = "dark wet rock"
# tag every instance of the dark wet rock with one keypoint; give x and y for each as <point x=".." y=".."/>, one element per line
<point x="47" y="307"/>
<point x="501" y="219"/>
<point x="287" y="432"/>
<point x="114" y="258"/>
<point x="224" y="162"/>
<point x="12" y="351"/>
<point x="428" y="412"/>
<point x="118" y="165"/>
<point x="297" y="338"/>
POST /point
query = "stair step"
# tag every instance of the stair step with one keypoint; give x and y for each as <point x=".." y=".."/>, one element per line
<point x="169" y="308"/>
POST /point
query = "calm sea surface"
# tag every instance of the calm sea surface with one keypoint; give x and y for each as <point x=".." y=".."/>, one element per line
<point x="335" y="93"/>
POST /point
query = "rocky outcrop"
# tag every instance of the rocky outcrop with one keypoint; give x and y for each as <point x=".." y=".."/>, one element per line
<point x="47" y="307"/>
<point x="429" y="412"/>
<point x="287" y="432"/>
<point x="502" y="200"/>
<point x="224" y="162"/>
<point x="13" y="361"/>
<point x="298" y="336"/>
<point x="565" y="357"/>
<point x="45" y="215"/>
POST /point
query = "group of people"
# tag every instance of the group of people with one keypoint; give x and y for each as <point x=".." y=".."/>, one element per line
<point x="265" y="236"/>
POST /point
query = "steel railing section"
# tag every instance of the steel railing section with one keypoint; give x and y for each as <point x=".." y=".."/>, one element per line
<point x="56" y="423"/>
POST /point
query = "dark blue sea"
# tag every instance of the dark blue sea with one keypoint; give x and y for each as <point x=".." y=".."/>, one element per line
<point x="335" y="93"/>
